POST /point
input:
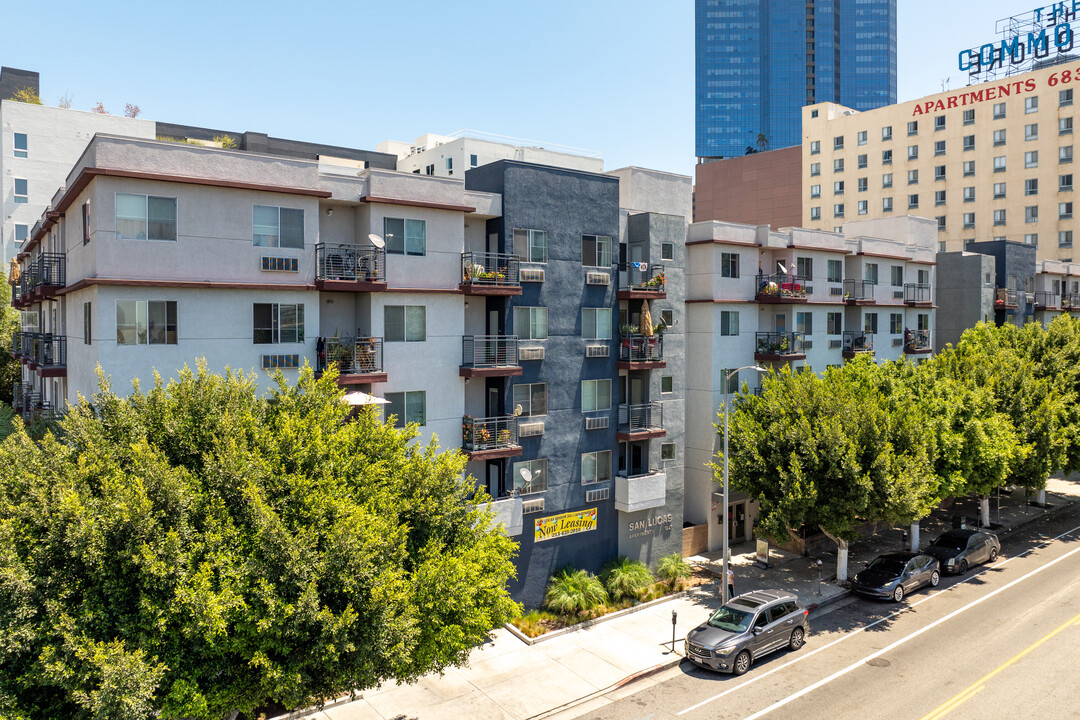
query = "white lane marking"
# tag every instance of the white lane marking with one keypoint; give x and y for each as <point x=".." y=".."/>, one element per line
<point x="854" y="633"/>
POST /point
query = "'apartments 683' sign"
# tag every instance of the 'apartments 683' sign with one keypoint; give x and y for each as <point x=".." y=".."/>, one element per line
<point x="996" y="92"/>
<point x="1025" y="40"/>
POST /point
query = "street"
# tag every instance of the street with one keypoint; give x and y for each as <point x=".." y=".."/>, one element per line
<point x="998" y="641"/>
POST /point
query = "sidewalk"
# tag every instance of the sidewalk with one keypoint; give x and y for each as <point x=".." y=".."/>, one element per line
<point x="509" y="679"/>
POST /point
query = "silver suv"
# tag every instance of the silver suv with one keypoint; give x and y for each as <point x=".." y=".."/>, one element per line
<point x="749" y="627"/>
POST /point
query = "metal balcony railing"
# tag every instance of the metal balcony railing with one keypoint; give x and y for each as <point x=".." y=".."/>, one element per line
<point x="1005" y="298"/>
<point x="916" y="340"/>
<point x="781" y="285"/>
<point x="490" y="433"/>
<point x="50" y="269"/>
<point x="19" y="393"/>
<point x="643" y="277"/>
<point x="490" y="269"/>
<point x="779" y="343"/>
<point x="352" y="355"/>
<point x="24" y="342"/>
<point x="646" y="416"/>
<point x="489" y="351"/>
<point x="49" y="350"/>
<point x="858" y="290"/>
<point x="858" y="342"/>
<point x="1070" y="301"/>
<point x="639" y="348"/>
<point x="915" y="293"/>
<point x="350" y="263"/>
<point x="1047" y="299"/>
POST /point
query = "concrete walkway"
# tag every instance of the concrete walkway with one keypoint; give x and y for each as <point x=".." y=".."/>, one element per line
<point x="510" y="679"/>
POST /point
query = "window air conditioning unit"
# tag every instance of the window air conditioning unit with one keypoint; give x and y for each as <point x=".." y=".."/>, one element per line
<point x="597" y="495"/>
<point x="597" y="351"/>
<point x="596" y="423"/>
<point x="530" y="429"/>
<point x="598" y="278"/>
<point x="532" y="506"/>
<point x="533" y="353"/>
<point x="531" y="275"/>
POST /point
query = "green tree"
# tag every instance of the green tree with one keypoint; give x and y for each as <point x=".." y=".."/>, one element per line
<point x="196" y="550"/>
<point x="10" y="371"/>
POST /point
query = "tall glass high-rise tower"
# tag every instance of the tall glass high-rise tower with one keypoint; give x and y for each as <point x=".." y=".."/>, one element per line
<point x="760" y="61"/>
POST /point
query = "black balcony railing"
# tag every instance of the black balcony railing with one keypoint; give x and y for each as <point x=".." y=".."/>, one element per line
<point x="782" y="286"/>
<point x="1004" y="298"/>
<point x="489" y="351"/>
<point x="352" y="356"/>
<point x="49" y="351"/>
<point x="491" y="433"/>
<point x="642" y="276"/>
<point x="639" y="348"/>
<point x="859" y="290"/>
<point x="914" y="293"/>
<point x="643" y="417"/>
<point x="50" y="269"/>
<point x="1070" y="301"/>
<point x="779" y="343"/>
<point x="19" y="392"/>
<point x="491" y="269"/>
<point x="916" y="340"/>
<point x="858" y="342"/>
<point x="350" y="263"/>
<point x="23" y="344"/>
<point x="1047" y="299"/>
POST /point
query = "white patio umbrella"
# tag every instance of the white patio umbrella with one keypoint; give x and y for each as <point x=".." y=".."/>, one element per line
<point x="362" y="398"/>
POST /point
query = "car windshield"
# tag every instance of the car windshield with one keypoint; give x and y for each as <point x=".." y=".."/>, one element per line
<point x="730" y="619"/>
<point x="952" y="542"/>
<point x="891" y="566"/>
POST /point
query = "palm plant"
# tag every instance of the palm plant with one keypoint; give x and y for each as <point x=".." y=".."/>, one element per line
<point x="626" y="579"/>
<point x="673" y="570"/>
<point x="573" y="591"/>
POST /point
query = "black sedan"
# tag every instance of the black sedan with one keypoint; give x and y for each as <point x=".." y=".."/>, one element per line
<point x="895" y="574"/>
<point x="956" y="550"/>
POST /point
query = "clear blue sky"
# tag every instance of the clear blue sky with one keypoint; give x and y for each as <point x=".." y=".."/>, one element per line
<point x="614" y="76"/>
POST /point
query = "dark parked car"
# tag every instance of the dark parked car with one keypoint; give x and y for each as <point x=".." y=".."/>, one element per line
<point x="748" y="627"/>
<point x="895" y="574"/>
<point x="957" y="550"/>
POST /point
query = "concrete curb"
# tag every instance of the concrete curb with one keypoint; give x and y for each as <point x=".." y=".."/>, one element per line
<point x="640" y="675"/>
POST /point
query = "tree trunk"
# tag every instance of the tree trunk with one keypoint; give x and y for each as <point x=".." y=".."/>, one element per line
<point x="984" y="511"/>
<point x="1040" y="500"/>
<point x="914" y="533"/>
<point x="841" y="556"/>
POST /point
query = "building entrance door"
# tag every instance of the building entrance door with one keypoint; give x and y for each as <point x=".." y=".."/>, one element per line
<point x="737" y="522"/>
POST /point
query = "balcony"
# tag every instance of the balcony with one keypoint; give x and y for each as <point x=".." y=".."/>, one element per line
<point x="641" y="281"/>
<point x="779" y="347"/>
<point x="859" y="292"/>
<point x="857" y="343"/>
<point x="490" y="438"/>
<point x="508" y="513"/>
<point x="917" y="342"/>
<point x="1046" y="300"/>
<point x="40" y="279"/>
<point x="48" y="354"/>
<point x="21" y="345"/>
<point x="349" y="268"/>
<point x="640" y="492"/>
<point x="1070" y="301"/>
<point x="640" y="422"/>
<point x="918" y="295"/>
<point x="780" y="288"/>
<point x="489" y="356"/>
<point x="490" y="274"/>
<point x="1005" y="299"/>
<point x="359" y="360"/>
<point x="29" y="403"/>
<point x="638" y="352"/>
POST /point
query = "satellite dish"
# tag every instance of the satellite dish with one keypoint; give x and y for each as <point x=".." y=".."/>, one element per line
<point x="782" y="267"/>
<point x="526" y="475"/>
<point x="517" y="411"/>
<point x="376" y="240"/>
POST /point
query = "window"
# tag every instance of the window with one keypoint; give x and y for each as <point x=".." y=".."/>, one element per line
<point x="815" y="213"/>
<point x="407" y="407"/>
<point x="838" y="187"/>
<point x="1065" y="155"/>
<point x="729" y="322"/>
<point x="834" y="323"/>
<point x="21" y="233"/>
<point x="596" y="323"/>
<point x="939" y="123"/>
<point x="278" y="323"/>
<point x="969" y="193"/>
<point x="913" y="152"/>
<point x="537" y="474"/>
<point x="473" y="161"/>
<point x="667" y="451"/>
<point x="912" y="177"/>
<point x="1031" y="104"/>
<point x="405" y="236"/>
<point x="596" y="250"/>
<point x="940" y="222"/>
<point x="815" y="191"/>
<point x="1065" y="126"/>
<point x="870" y="323"/>
<point x="1031" y="239"/>
<point x="999" y="164"/>
<point x="838" y="165"/>
<point x="939" y="197"/>
<point x="870" y="273"/>
<point x="1031" y="132"/>
<point x="939" y="147"/>
<point x="999" y="190"/>
<point x="667" y="251"/>
<point x="86" y="222"/>
<point x="595" y="467"/>
<point x="87" y="323"/>
<point x="1065" y="238"/>
<point x="838" y="210"/>
<point x="886" y="132"/>
<point x="886" y="204"/>
<point x="1031" y="159"/>
<point x="969" y="143"/>
<point x="886" y="180"/>
<point x="1065" y="210"/>
<point x="405" y="323"/>
<point x="969" y="220"/>
<point x="20" y="145"/>
<point x="886" y="157"/>
<point x="668" y="316"/>
<point x="862" y="161"/>
<point x="815" y="147"/>
<point x="863" y="207"/>
<point x="834" y="271"/>
<point x="146" y="322"/>
<point x="999" y="217"/>
<point x="999" y="111"/>
<point x="969" y="168"/>
<point x="145" y="217"/>
<point x="804" y="268"/>
<point x="1065" y="98"/>
<point x="729" y="265"/>
<point x="804" y="323"/>
<point x="913" y="201"/>
<point x="896" y="275"/>
<point x="913" y="127"/>
<point x="999" y="138"/>
<point x="815" y="169"/>
<point x="1031" y="186"/>
<point x="838" y="142"/>
<point x="595" y="395"/>
<point x="532" y="397"/>
<point x="939" y="172"/>
<point x="531" y="245"/>
<point x="22" y="193"/>
<point x="860" y="137"/>
<point x="1065" y="182"/>
<point x="969" y="117"/>
<point x="862" y="184"/>
<point x="667" y="384"/>
<point x="530" y="323"/>
<point x="896" y="323"/>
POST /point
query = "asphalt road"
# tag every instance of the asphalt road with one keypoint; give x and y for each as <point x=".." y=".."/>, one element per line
<point x="999" y="642"/>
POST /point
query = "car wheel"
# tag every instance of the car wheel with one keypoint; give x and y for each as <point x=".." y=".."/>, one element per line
<point x="935" y="578"/>
<point x="963" y="567"/>
<point x="993" y="554"/>
<point x="742" y="663"/>
<point x="898" y="593"/>
<point x="797" y="638"/>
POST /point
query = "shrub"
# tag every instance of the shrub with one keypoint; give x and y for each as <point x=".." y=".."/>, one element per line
<point x="573" y="591"/>
<point x="626" y="579"/>
<point x="228" y="142"/>
<point x="26" y="95"/>
<point x="673" y="570"/>
<point x="535" y="622"/>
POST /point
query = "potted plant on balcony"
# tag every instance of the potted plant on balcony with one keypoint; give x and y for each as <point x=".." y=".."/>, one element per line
<point x="504" y="437"/>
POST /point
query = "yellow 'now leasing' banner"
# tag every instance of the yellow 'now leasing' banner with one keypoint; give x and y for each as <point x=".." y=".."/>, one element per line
<point x="556" y="526"/>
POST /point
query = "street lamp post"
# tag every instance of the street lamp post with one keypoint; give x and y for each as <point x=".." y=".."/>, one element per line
<point x="724" y="513"/>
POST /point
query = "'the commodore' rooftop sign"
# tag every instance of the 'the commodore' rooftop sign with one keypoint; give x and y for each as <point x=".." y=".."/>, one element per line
<point x="1042" y="36"/>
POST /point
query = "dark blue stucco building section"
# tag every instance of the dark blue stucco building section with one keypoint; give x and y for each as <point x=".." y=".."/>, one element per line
<point x="1014" y="265"/>
<point x="566" y="204"/>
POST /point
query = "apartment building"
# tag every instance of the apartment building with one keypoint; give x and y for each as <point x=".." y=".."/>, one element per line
<point x="795" y="298"/>
<point x="988" y="162"/>
<point x="482" y="308"/>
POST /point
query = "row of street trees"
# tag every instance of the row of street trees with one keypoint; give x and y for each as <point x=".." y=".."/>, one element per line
<point x="866" y="442"/>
